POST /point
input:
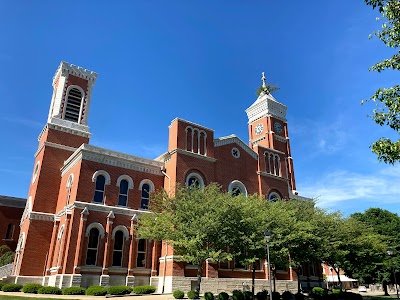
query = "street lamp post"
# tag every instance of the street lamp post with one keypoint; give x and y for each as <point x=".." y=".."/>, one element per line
<point x="390" y="253"/>
<point x="267" y="236"/>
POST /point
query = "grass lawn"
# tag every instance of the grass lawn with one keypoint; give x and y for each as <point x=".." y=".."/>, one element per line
<point x="25" y="298"/>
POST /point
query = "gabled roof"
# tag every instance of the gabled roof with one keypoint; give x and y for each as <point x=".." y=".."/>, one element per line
<point x="12" y="201"/>
<point x="233" y="139"/>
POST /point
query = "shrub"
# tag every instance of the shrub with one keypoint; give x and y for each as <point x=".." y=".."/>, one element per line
<point x="11" y="287"/>
<point x="74" y="290"/>
<point x="119" y="290"/>
<point x="144" y="289"/>
<point x="96" y="290"/>
<point x="31" y="288"/>
<point x="247" y="295"/>
<point x="208" y="296"/>
<point x="223" y="296"/>
<point x="299" y="296"/>
<point x="1" y="285"/>
<point x="178" y="294"/>
<point x="50" y="290"/>
<point x="286" y="295"/>
<point x="319" y="293"/>
<point x="6" y="258"/>
<point x="193" y="295"/>
<point x="262" y="295"/>
<point x="237" y="295"/>
<point x="276" y="296"/>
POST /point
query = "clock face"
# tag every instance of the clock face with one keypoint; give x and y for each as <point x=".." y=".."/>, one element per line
<point x="278" y="127"/>
<point x="259" y="128"/>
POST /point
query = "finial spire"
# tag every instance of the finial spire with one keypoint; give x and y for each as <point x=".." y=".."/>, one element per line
<point x="263" y="79"/>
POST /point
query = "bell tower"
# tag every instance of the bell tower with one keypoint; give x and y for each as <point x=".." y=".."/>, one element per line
<point x="268" y="134"/>
<point x="72" y="91"/>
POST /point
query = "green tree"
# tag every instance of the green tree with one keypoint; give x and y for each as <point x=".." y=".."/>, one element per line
<point x="6" y="255"/>
<point x="385" y="224"/>
<point x="200" y="224"/>
<point x="387" y="111"/>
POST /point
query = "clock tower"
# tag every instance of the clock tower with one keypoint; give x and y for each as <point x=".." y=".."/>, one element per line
<point x="268" y="134"/>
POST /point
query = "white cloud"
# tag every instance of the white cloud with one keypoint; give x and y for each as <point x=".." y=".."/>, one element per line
<point x="25" y="122"/>
<point x="338" y="188"/>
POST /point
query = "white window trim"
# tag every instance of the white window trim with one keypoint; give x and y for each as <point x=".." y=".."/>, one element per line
<point x="107" y="182"/>
<point x="59" y="238"/>
<point x="82" y="101"/>
<point x="95" y="225"/>
<point x="274" y="194"/>
<point x="197" y="176"/>
<point x="97" y="248"/>
<point x="70" y="182"/>
<point x="151" y="185"/>
<point x="237" y="184"/>
<point x="123" y="229"/>
<point x="130" y="186"/>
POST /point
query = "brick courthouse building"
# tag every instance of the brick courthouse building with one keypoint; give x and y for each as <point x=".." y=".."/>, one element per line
<point x="83" y="201"/>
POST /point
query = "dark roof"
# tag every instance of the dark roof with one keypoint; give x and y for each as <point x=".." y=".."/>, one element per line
<point x="12" y="201"/>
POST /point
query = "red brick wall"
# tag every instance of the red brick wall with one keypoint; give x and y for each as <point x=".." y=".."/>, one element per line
<point x="10" y="215"/>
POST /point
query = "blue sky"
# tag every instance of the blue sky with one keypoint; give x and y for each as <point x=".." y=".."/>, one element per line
<point x="202" y="61"/>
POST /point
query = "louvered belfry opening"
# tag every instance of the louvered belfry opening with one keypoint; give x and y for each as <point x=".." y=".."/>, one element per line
<point x="74" y="102"/>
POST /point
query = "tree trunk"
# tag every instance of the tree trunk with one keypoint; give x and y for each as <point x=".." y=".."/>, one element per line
<point x="338" y="277"/>
<point x="385" y="288"/>
<point x="199" y="274"/>
<point x="253" y="279"/>
<point x="274" y="278"/>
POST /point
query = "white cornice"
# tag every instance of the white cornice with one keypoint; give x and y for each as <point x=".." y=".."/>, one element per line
<point x="266" y="105"/>
<point x="233" y="139"/>
<point x="102" y="208"/>
<point x="280" y="138"/>
<point x="54" y="145"/>
<point x="196" y="155"/>
<point x="191" y="123"/>
<point x="66" y="68"/>
<point x="69" y="127"/>
<point x="265" y="174"/>
<point x="41" y="216"/>
<point x="113" y="158"/>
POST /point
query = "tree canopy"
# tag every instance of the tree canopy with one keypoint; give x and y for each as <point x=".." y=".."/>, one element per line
<point x="387" y="100"/>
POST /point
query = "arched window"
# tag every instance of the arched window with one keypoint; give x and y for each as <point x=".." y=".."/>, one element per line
<point x="10" y="232"/>
<point x="274" y="196"/>
<point x="59" y="238"/>
<point x="118" y="248"/>
<point x="101" y="179"/>
<point x="74" y="105"/>
<point x="141" y="254"/>
<point x="36" y="171"/>
<point x="194" y="180"/>
<point x="93" y="244"/>
<point x="69" y="187"/>
<point x="124" y="183"/>
<point x="236" y="187"/>
<point x="146" y="187"/>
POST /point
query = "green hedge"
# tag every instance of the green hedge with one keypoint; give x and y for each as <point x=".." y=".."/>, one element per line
<point x="74" y="290"/>
<point x="223" y="296"/>
<point x="178" y="294"/>
<point x="263" y="295"/>
<point x="31" y="288"/>
<point x="237" y="295"/>
<point x="193" y="295"/>
<point x="1" y="285"/>
<point x="119" y="290"/>
<point x="96" y="290"/>
<point x="286" y="295"/>
<point x="208" y="296"/>
<point x="248" y="295"/>
<point x="12" y="287"/>
<point x="49" y="290"/>
<point x="144" y="289"/>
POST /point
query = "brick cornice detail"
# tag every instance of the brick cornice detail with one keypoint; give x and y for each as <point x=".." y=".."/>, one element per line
<point x="280" y="138"/>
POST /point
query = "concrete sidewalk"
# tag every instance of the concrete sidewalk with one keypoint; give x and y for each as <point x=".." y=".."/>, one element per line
<point x="135" y="297"/>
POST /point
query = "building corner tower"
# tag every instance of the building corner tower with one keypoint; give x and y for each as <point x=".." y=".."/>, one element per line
<point x="66" y="130"/>
<point x="268" y="136"/>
